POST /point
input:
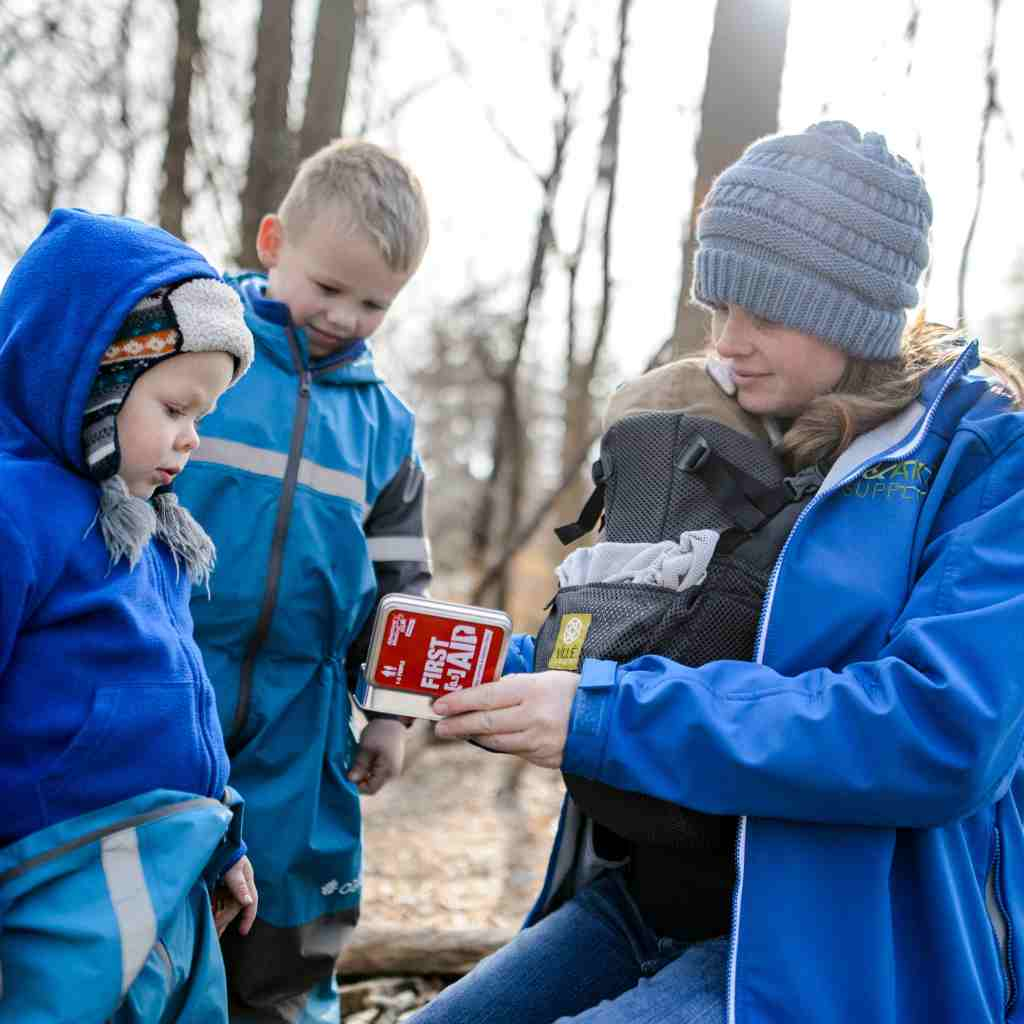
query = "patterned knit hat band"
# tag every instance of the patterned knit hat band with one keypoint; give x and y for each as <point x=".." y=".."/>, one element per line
<point x="825" y="232"/>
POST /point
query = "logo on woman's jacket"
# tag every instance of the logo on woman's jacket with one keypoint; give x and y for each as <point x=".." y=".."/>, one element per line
<point x="904" y="480"/>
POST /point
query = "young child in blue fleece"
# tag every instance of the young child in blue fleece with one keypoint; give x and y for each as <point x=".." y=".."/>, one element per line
<point x="115" y="340"/>
<point x="313" y="457"/>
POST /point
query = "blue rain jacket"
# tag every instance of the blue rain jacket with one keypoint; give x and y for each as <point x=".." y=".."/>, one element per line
<point x="103" y="694"/>
<point x="872" y="750"/>
<point x="106" y="917"/>
<point x="308" y="483"/>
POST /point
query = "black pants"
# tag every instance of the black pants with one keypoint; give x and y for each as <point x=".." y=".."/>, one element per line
<point x="271" y="971"/>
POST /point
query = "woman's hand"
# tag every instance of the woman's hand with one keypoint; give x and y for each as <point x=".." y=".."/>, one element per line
<point x="236" y="892"/>
<point x="526" y="715"/>
<point x="380" y="755"/>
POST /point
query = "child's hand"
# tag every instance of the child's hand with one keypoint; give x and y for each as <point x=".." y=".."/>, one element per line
<point x="236" y="892"/>
<point x="379" y="757"/>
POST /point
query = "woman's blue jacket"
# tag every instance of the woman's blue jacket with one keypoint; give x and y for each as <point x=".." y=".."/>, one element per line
<point x="872" y="750"/>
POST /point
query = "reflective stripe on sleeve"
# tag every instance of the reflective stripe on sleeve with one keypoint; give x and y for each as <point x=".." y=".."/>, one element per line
<point x="126" y="884"/>
<point x="399" y="549"/>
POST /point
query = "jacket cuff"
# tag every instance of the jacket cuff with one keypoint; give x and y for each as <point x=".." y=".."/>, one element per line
<point x="232" y="846"/>
<point x="520" y="656"/>
<point x="589" y="719"/>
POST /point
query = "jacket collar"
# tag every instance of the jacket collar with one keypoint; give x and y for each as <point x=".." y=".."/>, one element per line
<point x="899" y="437"/>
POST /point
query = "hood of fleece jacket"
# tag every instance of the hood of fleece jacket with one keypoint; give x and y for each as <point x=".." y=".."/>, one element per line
<point x="59" y="310"/>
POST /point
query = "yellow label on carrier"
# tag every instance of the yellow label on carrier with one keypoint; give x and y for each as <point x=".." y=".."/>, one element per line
<point x="572" y="631"/>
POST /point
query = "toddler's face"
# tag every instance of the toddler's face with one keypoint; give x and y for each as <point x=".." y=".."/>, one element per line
<point x="333" y="280"/>
<point x="156" y="427"/>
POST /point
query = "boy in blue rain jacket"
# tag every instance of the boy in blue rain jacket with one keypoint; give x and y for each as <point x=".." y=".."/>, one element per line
<point x="310" y="485"/>
<point x="115" y="338"/>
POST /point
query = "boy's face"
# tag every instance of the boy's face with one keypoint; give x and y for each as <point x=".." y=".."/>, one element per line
<point x="156" y="427"/>
<point x="333" y="280"/>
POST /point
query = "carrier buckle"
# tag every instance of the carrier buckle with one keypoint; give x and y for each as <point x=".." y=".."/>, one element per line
<point x="804" y="483"/>
<point x="695" y="455"/>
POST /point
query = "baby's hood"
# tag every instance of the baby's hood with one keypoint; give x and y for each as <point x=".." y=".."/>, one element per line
<point x="685" y="385"/>
<point x="59" y="310"/>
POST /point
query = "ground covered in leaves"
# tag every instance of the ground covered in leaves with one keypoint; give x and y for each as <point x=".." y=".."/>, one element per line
<point x="459" y="842"/>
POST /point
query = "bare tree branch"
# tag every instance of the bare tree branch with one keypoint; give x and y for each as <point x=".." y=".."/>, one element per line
<point x="509" y="446"/>
<point x="991" y="108"/>
<point x="525" y="533"/>
<point x="461" y="67"/>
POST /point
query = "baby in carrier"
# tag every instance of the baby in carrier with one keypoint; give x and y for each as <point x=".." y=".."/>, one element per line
<point x="696" y="508"/>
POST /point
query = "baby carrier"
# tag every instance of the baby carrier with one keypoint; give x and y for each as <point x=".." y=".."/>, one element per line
<point x="663" y="480"/>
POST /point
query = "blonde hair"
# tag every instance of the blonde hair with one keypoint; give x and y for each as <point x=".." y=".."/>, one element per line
<point x="375" y="189"/>
<point x="872" y="392"/>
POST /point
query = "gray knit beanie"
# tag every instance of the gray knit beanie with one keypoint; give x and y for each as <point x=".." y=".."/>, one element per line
<point x="825" y="232"/>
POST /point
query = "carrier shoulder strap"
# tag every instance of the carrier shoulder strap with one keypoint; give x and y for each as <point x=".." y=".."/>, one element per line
<point x="591" y="511"/>
<point x="747" y="501"/>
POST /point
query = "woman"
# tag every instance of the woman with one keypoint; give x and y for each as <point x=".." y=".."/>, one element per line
<point x="870" y="750"/>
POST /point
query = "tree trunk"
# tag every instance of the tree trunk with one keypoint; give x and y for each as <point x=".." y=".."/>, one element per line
<point x="372" y="952"/>
<point x="173" y="197"/>
<point x="271" y="151"/>
<point x="741" y="103"/>
<point x="328" y="75"/>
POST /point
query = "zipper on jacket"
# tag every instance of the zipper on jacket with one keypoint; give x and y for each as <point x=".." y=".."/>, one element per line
<point x="954" y="373"/>
<point x="1002" y="929"/>
<point x="198" y="671"/>
<point x="284" y="514"/>
<point x="734" y="937"/>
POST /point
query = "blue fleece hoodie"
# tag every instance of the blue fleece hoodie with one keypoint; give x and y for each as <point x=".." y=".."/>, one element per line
<point x="103" y="694"/>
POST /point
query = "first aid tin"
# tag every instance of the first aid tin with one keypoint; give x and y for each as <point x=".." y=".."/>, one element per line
<point x="421" y="649"/>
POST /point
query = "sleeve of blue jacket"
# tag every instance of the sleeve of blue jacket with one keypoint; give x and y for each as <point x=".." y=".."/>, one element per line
<point x="924" y="734"/>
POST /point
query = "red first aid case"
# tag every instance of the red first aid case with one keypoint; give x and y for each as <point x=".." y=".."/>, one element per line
<point x="421" y="649"/>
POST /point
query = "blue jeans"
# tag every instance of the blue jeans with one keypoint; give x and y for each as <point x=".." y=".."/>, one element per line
<point x="593" y="961"/>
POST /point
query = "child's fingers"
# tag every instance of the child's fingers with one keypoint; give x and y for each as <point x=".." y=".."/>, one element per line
<point x="241" y="888"/>
<point x="249" y="914"/>
<point x="362" y="766"/>
<point x="248" y="917"/>
<point x="226" y="908"/>
<point x="375" y="779"/>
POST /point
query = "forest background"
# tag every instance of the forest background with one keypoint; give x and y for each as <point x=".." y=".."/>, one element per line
<point x="564" y="146"/>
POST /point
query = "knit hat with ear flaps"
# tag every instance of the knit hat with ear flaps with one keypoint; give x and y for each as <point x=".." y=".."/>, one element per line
<point x="825" y="232"/>
<point x="196" y="315"/>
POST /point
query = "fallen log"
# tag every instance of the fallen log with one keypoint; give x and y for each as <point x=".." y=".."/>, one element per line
<point x="424" y="952"/>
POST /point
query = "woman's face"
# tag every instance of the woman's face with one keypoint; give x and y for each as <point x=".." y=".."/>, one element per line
<point x="777" y="370"/>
